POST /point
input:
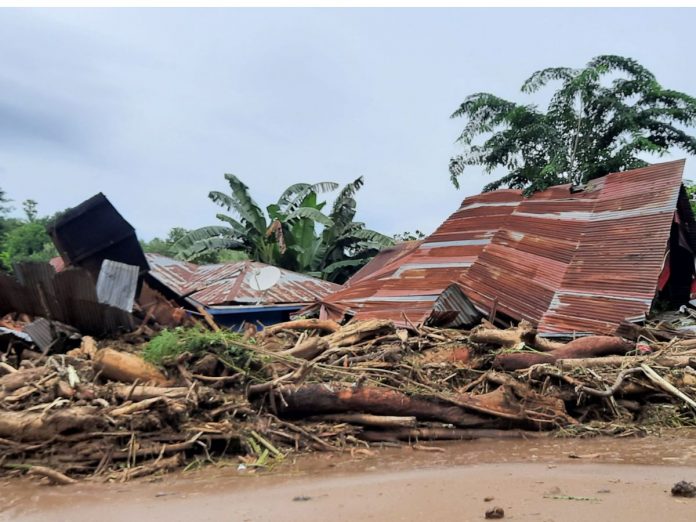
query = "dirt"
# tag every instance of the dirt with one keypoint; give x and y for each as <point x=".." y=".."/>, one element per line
<point x="534" y="480"/>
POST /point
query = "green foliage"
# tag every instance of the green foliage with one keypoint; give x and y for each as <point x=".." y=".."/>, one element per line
<point x="4" y="208"/>
<point x="603" y="118"/>
<point x="166" y="247"/>
<point x="416" y="235"/>
<point x="294" y="233"/>
<point x="30" y="208"/>
<point x="24" y="239"/>
<point x="169" y="344"/>
<point x="691" y="192"/>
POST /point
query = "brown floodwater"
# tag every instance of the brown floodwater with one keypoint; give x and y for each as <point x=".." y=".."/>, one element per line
<point x="533" y="480"/>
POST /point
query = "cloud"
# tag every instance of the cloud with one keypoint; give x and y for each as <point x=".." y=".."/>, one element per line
<point x="153" y="106"/>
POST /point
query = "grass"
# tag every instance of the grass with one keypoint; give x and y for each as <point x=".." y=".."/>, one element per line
<point x="169" y="344"/>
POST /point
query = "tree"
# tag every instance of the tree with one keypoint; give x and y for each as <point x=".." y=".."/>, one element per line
<point x="287" y="234"/>
<point x="25" y="239"/>
<point x="4" y="209"/>
<point x="30" y="208"/>
<point x="604" y="118"/>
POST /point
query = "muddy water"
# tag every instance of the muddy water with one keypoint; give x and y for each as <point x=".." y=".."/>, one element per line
<point x="534" y="480"/>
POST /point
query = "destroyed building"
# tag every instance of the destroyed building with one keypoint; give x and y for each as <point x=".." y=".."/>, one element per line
<point x="103" y="285"/>
<point x="570" y="260"/>
<point x="237" y="292"/>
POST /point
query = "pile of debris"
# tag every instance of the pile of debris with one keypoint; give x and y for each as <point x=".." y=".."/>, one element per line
<point x="113" y="411"/>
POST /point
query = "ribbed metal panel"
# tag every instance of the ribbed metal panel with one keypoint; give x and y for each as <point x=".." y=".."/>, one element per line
<point x="117" y="284"/>
<point x="227" y="283"/>
<point x="568" y="262"/>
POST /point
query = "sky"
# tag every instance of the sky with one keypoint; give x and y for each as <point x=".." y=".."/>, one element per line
<point x="153" y="106"/>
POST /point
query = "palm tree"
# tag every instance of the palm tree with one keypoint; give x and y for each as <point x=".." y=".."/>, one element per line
<point x="287" y="234"/>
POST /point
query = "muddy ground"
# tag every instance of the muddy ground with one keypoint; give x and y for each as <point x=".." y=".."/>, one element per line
<point x="534" y="480"/>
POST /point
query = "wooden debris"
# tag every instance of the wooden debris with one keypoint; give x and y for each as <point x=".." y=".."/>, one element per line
<point x="106" y="414"/>
<point x="303" y="324"/>
<point x="127" y="367"/>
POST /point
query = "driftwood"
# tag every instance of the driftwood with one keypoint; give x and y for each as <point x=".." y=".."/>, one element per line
<point x="140" y="393"/>
<point x="666" y="386"/>
<point x="314" y="388"/>
<point x="303" y="324"/>
<point x="55" y="477"/>
<point x="354" y="333"/>
<point x="127" y="367"/>
<point x="439" y="433"/>
<point x="366" y="419"/>
<point x="30" y="425"/>
<point x="164" y="464"/>
<point x="208" y="318"/>
<point x="667" y="361"/>
<point x="307" y="349"/>
<point x="592" y="346"/>
<point x="14" y="381"/>
<point x="314" y="399"/>
<point x="517" y="403"/>
<point x="523" y="333"/>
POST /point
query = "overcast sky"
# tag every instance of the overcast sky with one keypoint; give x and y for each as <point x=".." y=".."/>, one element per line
<point x="152" y="107"/>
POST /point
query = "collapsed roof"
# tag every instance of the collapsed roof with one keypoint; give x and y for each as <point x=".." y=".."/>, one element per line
<point x="567" y="261"/>
<point x="236" y="283"/>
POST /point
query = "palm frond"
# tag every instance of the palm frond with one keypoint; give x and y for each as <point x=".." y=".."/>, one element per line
<point x="310" y="213"/>
<point x="245" y="205"/>
<point x="347" y="263"/>
<point x="201" y="234"/>
<point x="205" y="246"/>
<point x="373" y="237"/>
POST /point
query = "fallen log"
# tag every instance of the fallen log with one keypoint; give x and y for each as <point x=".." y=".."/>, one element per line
<point x="585" y="347"/>
<point x="515" y="401"/>
<point x="314" y="399"/>
<point x="303" y="324"/>
<point x="30" y="425"/>
<point x="521" y="360"/>
<point x="15" y="380"/>
<point x="127" y="367"/>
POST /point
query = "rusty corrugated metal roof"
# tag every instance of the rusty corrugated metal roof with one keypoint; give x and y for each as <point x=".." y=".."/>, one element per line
<point x="228" y="283"/>
<point x="567" y="262"/>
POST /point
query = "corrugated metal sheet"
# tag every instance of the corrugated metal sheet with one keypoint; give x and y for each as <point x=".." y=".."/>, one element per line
<point x="117" y="284"/>
<point x="69" y="297"/>
<point x="228" y="283"/>
<point x="568" y="262"/>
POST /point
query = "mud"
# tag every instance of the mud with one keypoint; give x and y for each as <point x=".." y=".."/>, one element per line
<point x="539" y="480"/>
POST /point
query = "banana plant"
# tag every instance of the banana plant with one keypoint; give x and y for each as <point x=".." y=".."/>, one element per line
<point x="293" y="233"/>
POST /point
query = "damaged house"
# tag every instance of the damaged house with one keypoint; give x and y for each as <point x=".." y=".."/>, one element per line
<point x="570" y="260"/>
<point x="103" y="284"/>
<point x="238" y="292"/>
